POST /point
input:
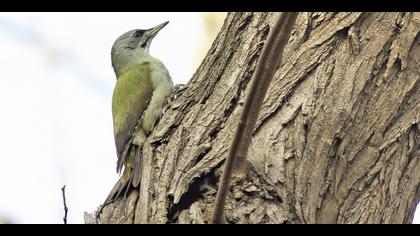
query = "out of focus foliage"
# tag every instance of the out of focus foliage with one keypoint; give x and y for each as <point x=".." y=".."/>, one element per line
<point x="212" y="22"/>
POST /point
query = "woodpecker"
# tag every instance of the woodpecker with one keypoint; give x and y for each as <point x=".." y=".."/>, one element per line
<point x="142" y="88"/>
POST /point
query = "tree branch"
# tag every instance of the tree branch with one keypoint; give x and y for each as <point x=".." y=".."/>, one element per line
<point x="266" y="66"/>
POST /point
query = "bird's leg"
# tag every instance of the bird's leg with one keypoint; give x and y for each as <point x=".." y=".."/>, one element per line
<point x="139" y="138"/>
<point x="177" y="90"/>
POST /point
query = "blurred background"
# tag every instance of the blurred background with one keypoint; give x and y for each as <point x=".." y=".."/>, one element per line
<point x="55" y="99"/>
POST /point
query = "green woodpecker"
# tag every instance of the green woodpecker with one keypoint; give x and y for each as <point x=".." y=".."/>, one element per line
<point x="142" y="88"/>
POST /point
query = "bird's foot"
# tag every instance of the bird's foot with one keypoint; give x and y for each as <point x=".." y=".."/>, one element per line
<point x="178" y="89"/>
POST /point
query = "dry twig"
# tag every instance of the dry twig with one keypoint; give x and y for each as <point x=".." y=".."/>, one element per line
<point x="63" y="190"/>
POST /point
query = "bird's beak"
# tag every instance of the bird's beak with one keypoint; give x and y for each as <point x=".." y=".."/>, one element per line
<point x="153" y="31"/>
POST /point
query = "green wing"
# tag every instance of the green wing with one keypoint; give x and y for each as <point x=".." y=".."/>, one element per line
<point x="131" y="95"/>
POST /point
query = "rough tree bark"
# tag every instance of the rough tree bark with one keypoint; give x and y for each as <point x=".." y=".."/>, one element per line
<point x="337" y="139"/>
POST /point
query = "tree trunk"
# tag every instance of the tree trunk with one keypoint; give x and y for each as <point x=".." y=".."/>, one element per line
<point x="337" y="139"/>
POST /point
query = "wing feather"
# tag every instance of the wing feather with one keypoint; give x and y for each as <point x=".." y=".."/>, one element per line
<point x="131" y="95"/>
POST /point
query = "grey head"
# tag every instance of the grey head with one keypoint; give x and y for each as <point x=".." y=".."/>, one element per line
<point x="131" y="45"/>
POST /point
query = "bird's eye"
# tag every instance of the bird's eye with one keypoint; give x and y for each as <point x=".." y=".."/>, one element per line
<point x="138" y="33"/>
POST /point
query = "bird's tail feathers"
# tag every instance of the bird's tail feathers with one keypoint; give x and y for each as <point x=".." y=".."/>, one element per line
<point x="121" y="184"/>
<point x="130" y="178"/>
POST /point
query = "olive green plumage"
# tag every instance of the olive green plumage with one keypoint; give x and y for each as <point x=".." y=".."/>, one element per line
<point x="142" y="88"/>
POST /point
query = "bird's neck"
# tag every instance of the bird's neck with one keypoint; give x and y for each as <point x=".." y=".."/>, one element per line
<point x="126" y="58"/>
